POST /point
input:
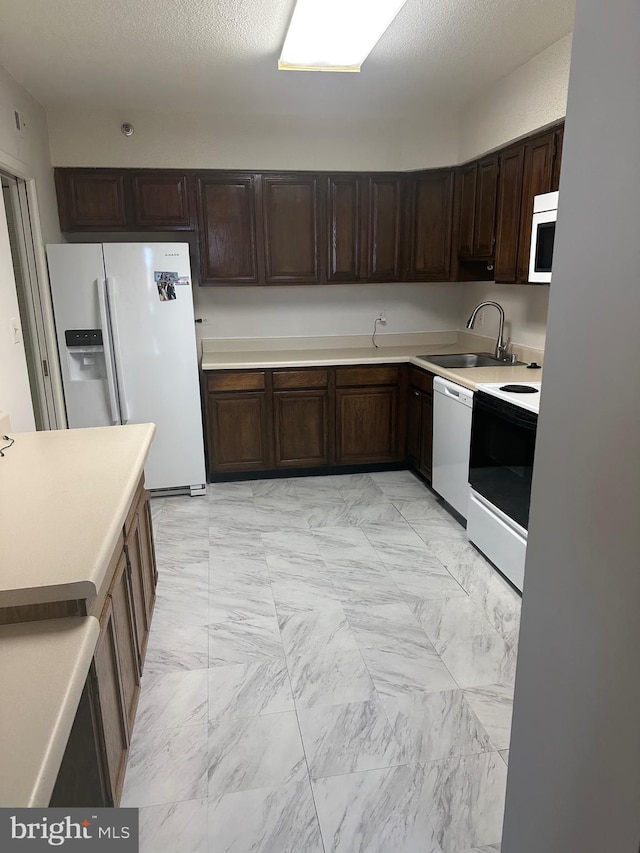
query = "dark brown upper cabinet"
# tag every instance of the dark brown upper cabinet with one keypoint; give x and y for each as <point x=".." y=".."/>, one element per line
<point x="478" y="197"/>
<point x="467" y="177"/>
<point x="91" y="199"/>
<point x="383" y="227"/>
<point x="538" y="173"/>
<point x="557" y="160"/>
<point x="508" y="214"/>
<point x="227" y="228"/>
<point x="291" y="226"/>
<point x="346" y="236"/>
<point x="429" y="225"/>
<point x="161" y="200"/>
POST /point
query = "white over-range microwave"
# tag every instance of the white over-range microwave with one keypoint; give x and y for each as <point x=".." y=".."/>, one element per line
<point x="543" y="233"/>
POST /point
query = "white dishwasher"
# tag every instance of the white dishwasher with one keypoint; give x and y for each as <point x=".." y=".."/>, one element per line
<point x="452" y="407"/>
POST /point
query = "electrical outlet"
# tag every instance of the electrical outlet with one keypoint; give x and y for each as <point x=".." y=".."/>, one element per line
<point x="382" y="317"/>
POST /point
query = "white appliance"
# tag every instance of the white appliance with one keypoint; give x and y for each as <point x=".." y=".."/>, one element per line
<point x="127" y="347"/>
<point x="451" y="439"/>
<point x="543" y="234"/>
<point x="500" y="469"/>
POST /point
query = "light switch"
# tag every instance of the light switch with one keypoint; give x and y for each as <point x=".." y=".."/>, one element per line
<point x="16" y="331"/>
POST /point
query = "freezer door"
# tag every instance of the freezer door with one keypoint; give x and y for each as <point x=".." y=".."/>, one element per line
<point x="78" y="289"/>
<point x="151" y="306"/>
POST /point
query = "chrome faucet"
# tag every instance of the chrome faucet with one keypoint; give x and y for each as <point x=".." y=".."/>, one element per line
<point x="501" y="347"/>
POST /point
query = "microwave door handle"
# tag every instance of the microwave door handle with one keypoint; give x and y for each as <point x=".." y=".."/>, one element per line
<point x="108" y="354"/>
<point x="122" y="392"/>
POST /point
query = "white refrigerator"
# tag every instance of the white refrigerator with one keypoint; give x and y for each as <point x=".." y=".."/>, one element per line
<point x="127" y="347"/>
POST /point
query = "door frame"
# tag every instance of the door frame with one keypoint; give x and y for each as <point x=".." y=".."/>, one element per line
<point x="38" y="293"/>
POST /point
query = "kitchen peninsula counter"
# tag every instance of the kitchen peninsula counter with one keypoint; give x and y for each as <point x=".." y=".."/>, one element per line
<point x="64" y="497"/>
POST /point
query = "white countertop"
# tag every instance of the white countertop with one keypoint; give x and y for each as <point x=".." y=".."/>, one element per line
<point x="43" y="668"/>
<point x="64" y="496"/>
<point x="386" y="353"/>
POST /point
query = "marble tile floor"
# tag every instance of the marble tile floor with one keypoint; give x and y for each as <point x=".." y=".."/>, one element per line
<point x="330" y="669"/>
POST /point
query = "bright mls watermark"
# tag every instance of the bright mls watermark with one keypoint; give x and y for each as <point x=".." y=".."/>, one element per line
<point x="105" y="830"/>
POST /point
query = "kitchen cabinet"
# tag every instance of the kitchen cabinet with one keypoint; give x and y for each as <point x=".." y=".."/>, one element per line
<point x="537" y="176"/>
<point x="139" y="550"/>
<point x="557" y="160"/>
<point x="227" y="228"/>
<point x="92" y="199"/>
<point x="291" y="224"/>
<point x="301" y="418"/>
<point x="420" y="421"/>
<point x="429" y="226"/>
<point x="111" y="699"/>
<point x="467" y="179"/>
<point x="383" y="227"/>
<point x="122" y="616"/>
<point x="367" y="403"/>
<point x="485" y="208"/>
<point x="508" y="214"/>
<point x="346" y="228"/>
<point x="238" y="428"/>
<point x="161" y="201"/>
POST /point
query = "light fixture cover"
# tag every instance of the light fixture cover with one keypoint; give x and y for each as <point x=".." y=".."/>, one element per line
<point x="335" y="35"/>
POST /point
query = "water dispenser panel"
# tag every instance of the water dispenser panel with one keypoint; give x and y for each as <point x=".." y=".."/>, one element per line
<point x="85" y="354"/>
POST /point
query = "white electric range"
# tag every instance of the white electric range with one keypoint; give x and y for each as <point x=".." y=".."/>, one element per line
<point x="503" y="435"/>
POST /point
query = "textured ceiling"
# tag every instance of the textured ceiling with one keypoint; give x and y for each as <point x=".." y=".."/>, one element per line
<point x="220" y="55"/>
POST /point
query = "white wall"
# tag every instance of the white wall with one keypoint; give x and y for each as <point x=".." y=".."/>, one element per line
<point x="525" y="307"/>
<point x="190" y="140"/>
<point x="25" y="153"/>
<point x="532" y="96"/>
<point x="574" y="769"/>
<point x="325" y="310"/>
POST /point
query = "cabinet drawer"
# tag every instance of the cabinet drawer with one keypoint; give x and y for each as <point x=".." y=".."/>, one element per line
<point x="420" y="379"/>
<point x="235" y="381"/>
<point x="367" y="376"/>
<point x="285" y="379"/>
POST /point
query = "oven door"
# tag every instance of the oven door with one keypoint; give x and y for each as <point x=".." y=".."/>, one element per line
<point x="503" y="438"/>
<point x="543" y="234"/>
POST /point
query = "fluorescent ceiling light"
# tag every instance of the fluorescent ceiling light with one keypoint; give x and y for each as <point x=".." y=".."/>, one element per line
<point x="335" y="35"/>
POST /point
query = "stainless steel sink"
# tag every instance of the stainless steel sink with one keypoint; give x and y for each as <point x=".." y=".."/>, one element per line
<point x="467" y="359"/>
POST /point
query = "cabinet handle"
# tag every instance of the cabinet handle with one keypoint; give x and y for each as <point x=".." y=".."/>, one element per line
<point x="416" y="393"/>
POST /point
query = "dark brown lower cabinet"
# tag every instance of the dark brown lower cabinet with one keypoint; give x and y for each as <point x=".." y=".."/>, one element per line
<point x="301" y="428"/>
<point x="366" y="425"/>
<point x="238" y="431"/>
<point x="140" y="552"/>
<point x="420" y="421"/>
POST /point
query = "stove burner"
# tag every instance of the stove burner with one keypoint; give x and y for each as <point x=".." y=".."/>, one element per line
<point x="519" y="389"/>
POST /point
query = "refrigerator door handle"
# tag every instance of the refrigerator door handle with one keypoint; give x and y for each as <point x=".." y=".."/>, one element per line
<point x="122" y="393"/>
<point x="108" y="355"/>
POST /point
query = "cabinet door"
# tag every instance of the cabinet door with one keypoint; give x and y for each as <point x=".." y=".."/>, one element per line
<point x="291" y="224"/>
<point x="301" y="428"/>
<point x="125" y="633"/>
<point x="366" y="425"/>
<point x="538" y="170"/>
<point x="430" y="224"/>
<point x="91" y="200"/>
<point x="508" y="214"/>
<point x="112" y="708"/>
<point x="227" y="226"/>
<point x="161" y="200"/>
<point x="485" y="208"/>
<point x="414" y="426"/>
<point x="83" y="776"/>
<point x="140" y="553"/>
<point x="426" y="436"/>
<point x="344" y="228"/>
<point x="557" y="160"/>
<point x="384" y="217"/>
<point x="467" y="178"/>
<point x="238" y="432"/>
